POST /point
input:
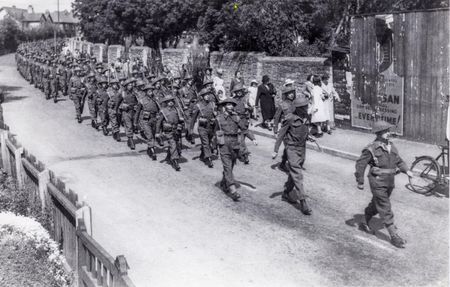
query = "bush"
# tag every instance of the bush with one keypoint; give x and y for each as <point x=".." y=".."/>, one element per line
<point x="22" y="201"/>
<point x="29" y="256"/>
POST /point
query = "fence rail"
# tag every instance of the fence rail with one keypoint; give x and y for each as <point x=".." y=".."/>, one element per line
<point x="72" y="222"/>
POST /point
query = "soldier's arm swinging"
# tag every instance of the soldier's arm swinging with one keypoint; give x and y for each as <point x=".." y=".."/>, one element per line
<point x="360" y="166"/>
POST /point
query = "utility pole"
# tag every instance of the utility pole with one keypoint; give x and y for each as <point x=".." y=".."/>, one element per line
<point x="55" y="26"/>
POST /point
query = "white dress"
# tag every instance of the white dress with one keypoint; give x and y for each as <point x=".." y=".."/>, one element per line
<point x="218" y="85"/>
<point x="319" y="112"/>
<point x="329" y="103"/>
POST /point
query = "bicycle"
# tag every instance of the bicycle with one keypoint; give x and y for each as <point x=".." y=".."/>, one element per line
<point x="430" y="172"/>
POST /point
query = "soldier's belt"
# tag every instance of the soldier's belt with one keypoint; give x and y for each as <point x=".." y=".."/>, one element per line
<point x="384" y="171"/>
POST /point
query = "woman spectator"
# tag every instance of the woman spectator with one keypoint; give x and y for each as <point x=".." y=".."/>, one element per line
<point x="218" y="84"/>
<point x="252" y="91"/>
<point x="318" y="110"/>
<point x="236" y="80"/>
<point x="265" y="95"/>
<point x="330" y="96"/>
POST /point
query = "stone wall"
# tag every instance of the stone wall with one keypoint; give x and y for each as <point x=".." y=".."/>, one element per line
<point x="174" y="58"/>
<point x="295" y="68"/>
<point x="246" y="62"/>
<point x="254" y="65"/>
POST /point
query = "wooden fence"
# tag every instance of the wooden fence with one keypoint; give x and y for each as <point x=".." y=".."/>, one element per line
<point x="72" y="223"/>
<point x="420" y="55"/>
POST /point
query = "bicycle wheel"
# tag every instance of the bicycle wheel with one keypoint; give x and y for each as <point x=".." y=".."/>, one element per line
<point x="426" y="174"/>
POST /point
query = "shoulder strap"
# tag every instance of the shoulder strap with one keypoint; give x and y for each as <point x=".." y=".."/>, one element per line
<point x="371" y="149"/>
<point x="200" y="110"/>
<point x="164" y="115"/>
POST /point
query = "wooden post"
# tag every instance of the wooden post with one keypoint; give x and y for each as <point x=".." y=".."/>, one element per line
<point x="19" y="168"/>
<point x="43" y="180"/>
<point x="85" y="213"/>
<point x="4" y="150"/>
<point x="81" y="255"/>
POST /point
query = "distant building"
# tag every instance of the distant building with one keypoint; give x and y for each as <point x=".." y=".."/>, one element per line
<point x="27" y="19"/>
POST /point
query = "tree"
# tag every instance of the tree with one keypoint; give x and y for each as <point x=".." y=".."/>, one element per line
<point x="10" y="35"/>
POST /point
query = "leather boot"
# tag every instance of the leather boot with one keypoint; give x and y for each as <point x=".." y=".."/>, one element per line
<point x="285" y="197"/>
<point x="116" y="136"/>
<point x="105" y="130"/>
<point x="151" y="153"/>
<point x="246" y="160"/>
<point x="79" y="119"/>
<point x="131" y="143"/>
<point x="364" y="226"/>
<point x="233" y="193"/>
<point x="209" y="162"/>
<point x="396" y="240"/>
<point x="175" y="165"/>
<point x="304" y="208"/>
<point x="94" y="124"/>
<point x="55" y="100"/>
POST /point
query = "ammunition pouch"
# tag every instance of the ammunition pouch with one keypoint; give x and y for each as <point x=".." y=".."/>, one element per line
<point x="220" y="136"/>
<point x="203" y="122"/>
<point x="167" y="128"/>
<point x="146" y="115"/>
<point x="125" y="107"/>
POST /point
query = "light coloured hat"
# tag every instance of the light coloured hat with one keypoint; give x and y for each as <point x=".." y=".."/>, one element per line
<point x="253" y="81"/>
<point x="288" y="82"/>
<point x="220" y="71"/>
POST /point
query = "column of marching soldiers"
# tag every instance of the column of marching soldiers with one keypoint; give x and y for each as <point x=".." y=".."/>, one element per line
<point x="160" y="108"/>
<point x="166" y="107"/>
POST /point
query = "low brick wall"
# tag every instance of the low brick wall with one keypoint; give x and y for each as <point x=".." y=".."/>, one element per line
<point x="173" y="58"/>
<point x="255" y="65"/>
<point x="246" y="62"/>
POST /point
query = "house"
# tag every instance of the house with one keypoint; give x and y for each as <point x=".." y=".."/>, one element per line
<point x="27" y="19"/>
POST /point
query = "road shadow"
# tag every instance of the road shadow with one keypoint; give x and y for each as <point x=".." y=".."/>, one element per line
<point x="102" y="155"/>
<point x="376" y="224"/>
<point x="276" y="166"/>
<point x="439" y="191"/>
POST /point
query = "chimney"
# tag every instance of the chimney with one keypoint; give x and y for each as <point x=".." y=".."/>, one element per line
<point x="30" y="9"/>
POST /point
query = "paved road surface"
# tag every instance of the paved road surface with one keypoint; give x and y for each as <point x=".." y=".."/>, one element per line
<point x="179" y="228"/>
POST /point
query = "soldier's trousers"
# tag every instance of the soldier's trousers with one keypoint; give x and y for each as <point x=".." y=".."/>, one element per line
<point x="228" y="154"/>
<point x="174" y="144"/>
<point x="380" y="203"/>
<point x="54" y="89"/>
<point x="47" y="88"/>
<point x="78" y="102"/>
<point x="103" y="113"/>
<point x="206" y="135"/>
<point x="113" y="118"/>
<point x="62" y="87"/>
<point x="294" y="183"/>
<point x="92" y="105"/>
<point x="149" y="129"/>
<point x="128" y="121"/>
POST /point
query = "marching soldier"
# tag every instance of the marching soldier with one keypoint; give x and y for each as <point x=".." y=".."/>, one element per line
<point x="77" y="92"/>
<point x="242" y="110"/>
<point x="294" y="133"/>
<point x="385" y="162"/>
<point x="285" y="108"/>
<point x="148" y="110"/>
<point x="204" y="111"/>
<point x="115" y="98"/>
<point x="227" y="128"/>
<point x="169" y="127"/>
<point x="91" y="95"/>
<point x="54" y="82"/>
<point x="46" y="79"/>
<point x="102" y="104"/>
<point x="127" y="108"/>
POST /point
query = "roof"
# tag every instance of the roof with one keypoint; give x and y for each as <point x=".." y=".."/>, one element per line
<point x="14" y="12"/>
<point x="65" y="17"/>
<point x="33" y="17"/>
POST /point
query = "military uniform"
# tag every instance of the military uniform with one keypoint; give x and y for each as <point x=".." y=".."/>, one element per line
<point x="384" y="161"/>
<point x="115" y="98"/>
<point x="77" y="91"/>
<point x="127" y="108"/>
<point x="102" y="104"/>
<point x="204" y="111"/>
<point x="170" y="124"/>
<point x="54" y="84"/>
<point x="46" y="81"/>
<point x="227" y="129"/>
<point x="148" y="110"/>
<point x="244" y="116"/>
<point x="294" y="134"/>
<point x="91" y="86"/>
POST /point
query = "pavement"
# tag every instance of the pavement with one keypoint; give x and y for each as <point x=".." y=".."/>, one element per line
<point x="348" y="144"/>
<point x="180" y="229"/>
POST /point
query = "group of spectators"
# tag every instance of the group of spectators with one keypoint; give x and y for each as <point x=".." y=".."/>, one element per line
<point x="263" y="98"/>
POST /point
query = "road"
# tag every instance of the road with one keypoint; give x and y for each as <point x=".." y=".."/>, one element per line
<point x="180" y="229"/>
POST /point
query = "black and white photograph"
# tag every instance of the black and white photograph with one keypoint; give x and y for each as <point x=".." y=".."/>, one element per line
<point x="234" y="143"/>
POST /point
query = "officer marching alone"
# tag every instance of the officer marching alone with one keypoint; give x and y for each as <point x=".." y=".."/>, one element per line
<point x="385" y="162"/>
